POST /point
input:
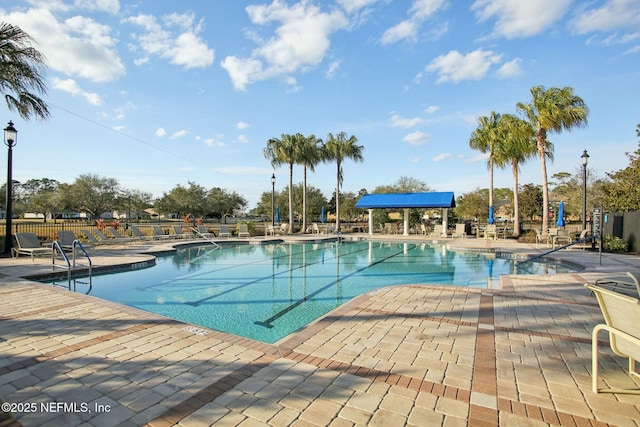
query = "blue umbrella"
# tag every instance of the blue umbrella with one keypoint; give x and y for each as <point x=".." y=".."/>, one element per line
<point x="277" y="213"/>
<point x="560" y="221"/>
<point x="323" y="215"/>
<point x="491" y="220"/>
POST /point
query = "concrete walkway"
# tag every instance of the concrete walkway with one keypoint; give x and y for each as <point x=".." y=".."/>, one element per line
<point x="405" y="355"/>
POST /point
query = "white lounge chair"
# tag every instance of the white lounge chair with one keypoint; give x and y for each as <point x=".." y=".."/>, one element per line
<point x="461" y="231"/>
<point x="179" y="233"/>
<point x="159" y="234"/>
<point x="224" y="230"/>
<point x="139" y="234"/>
<point x="627" y="284"/>
<point x="243" y="230"/>
<point x="437" y="231"/>
<point x="622" y="321"/>
<point x="116" y="235"/>
<point x="29" y="244"/>
<point x="203" y="231"/>
<point x="66" y="239"/>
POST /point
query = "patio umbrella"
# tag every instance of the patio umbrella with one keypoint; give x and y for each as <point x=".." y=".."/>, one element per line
<point x="560" y="221"/>
<point x="323" y="215"/>
<point x="277" y="213"/>
<point x="491" y="220"/>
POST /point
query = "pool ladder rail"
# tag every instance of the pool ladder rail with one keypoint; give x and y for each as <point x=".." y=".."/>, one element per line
<point x="195" y="230"/>
<point x="71" y="264"/>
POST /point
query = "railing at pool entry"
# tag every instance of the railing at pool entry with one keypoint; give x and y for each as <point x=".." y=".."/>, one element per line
<point x="195" y="230"/>
<point x="585" y="240"/>
<point x="71" y="264"/>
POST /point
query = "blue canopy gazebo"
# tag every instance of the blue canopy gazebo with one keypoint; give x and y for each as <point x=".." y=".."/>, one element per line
<point x="406" y="201"/>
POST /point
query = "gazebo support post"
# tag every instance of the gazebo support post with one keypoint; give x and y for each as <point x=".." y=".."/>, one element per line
<point x="406" y="222"/>
<point x="370" y="222"/>
<point x="445" y="221"/>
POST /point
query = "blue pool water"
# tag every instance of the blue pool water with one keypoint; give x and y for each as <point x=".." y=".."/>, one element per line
<point x="266" y="292"/>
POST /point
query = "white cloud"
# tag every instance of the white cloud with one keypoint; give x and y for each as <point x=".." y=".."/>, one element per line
<point x="108" y="6"/>
<point x="179" y="134"/>
<point x="242" y="139"/>
<point x="455" y="67"/>
<point x="517" y="18"/>
<point x="420" y="11"/>
<point x="242" y="125"/>
<point x="416" y="138"/>
<point x="431" y="109"/>
<point x="300" y="42"/>
<point x="416" y="160"/>
<point x="510" y="69"/>
<point x="399" y="121"/>
<point x="212" y="142"/>
<point x="614" y="14"/>
<point x="77" y="46"/>
<point x="352" y="6"/>
<point x="442" y="156"/>
<point x="403" y="30"/>
<point x="160" y="132"/>
<point x="175" y="39"/>
<point x="70" y="86"/>
<point x="331" y="70"/>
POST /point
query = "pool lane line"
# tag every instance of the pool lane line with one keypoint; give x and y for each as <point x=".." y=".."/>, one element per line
<point x="170" y="281"/>
<point x="200" y="301"/>
<point x="268" y="322"/>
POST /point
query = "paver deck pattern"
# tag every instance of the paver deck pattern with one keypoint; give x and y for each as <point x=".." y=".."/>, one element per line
<point x="405" y="355"/>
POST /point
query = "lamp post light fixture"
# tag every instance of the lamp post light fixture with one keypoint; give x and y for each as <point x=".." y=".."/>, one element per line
<point x="585" y="161"/>
<point x="273" y="189"/>
<point x="10" y="139"/>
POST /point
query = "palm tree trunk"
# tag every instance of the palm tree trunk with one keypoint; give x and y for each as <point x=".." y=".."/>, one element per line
<point x="338" y="199"/>
<point x="516" y="202"/>
<point x="491" y="185"/>
<point x="304" y="200"/>
<point x="545" y="190"/>
<point x="290" y="197"/>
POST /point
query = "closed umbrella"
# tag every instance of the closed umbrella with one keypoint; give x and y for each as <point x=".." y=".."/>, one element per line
<point x="277" y="213"/>
<point x="560" y="221"/>
<point x="323" y="215"/>
<point x="491" y="220"/>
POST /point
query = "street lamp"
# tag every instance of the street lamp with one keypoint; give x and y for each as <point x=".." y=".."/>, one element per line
<point x="273" y="189"/>
<point x="585" y="160"/>
<point x="10" y="139"/>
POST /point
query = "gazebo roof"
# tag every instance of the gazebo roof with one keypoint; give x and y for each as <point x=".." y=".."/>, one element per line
<point x="408" y="200"/>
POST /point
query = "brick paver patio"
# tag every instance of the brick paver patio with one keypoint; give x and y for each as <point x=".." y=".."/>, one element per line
<point x="407" y="355"/>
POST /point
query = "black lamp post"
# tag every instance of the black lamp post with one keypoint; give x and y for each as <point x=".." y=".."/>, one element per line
<point x="10" y="139"/>
<point x="273" y="189"/>
<point x="585" y="161"/>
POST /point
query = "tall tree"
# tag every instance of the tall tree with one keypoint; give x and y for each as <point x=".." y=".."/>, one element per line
<point x="284" y="151"/>
<point x="552" y="110"/>
<point x="517" y="145"/>
<point x="22" y="73"/>
<point x="92" y="194"/>
<point x="485" y="139"/>
<point x="310" y="155"/>
<point x="338" y="148"/>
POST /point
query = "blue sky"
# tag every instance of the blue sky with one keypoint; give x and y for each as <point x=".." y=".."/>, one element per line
<point x="157" y="93"/>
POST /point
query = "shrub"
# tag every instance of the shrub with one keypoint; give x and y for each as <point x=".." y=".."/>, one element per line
<point x="614" y="244"/>
<point x="528" y="236"/>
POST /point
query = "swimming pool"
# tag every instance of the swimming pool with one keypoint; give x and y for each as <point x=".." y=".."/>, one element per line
<point x="266" y="292"/>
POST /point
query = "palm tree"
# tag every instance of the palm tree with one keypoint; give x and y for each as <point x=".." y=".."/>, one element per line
<point x="310" y="154"/>
<point x="21" y="73"/>
<point x="518" y="144"/>
<point x="283" y="151"/>
<point x="485" y="139"/>
<point x="552" y="110"/>
<point x="338" y="148"/>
